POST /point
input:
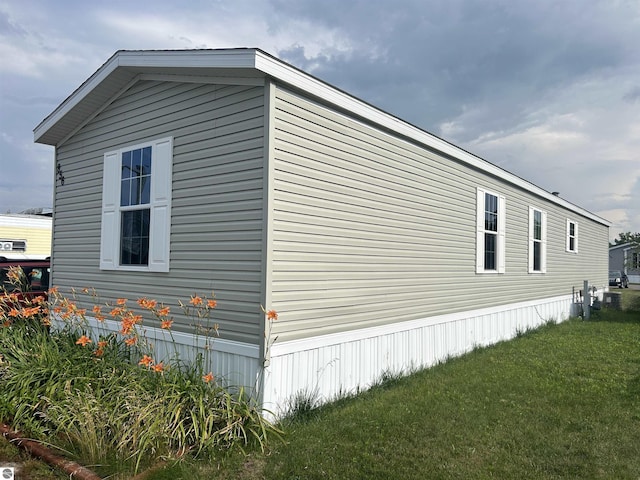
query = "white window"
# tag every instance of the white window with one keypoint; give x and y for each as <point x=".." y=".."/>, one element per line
<point x="537" y="241"/>
<point x="136" y="207"/>
<point x="572" y="236"/>
<point x="490" y="228"/>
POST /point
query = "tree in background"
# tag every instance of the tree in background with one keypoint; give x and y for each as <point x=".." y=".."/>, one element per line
<point x="627" y="237"/>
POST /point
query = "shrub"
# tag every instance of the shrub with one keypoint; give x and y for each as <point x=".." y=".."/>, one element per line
<point x="103" y="397"/>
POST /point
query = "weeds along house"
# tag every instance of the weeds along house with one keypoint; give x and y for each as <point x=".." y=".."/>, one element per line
<point x="381" y="246"/>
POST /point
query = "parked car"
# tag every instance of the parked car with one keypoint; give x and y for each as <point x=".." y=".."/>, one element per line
<point x="33" y="282"/>
<point x="618" y="279"/>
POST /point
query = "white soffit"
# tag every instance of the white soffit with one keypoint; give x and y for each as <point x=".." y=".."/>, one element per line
<point x="124" y="66"/>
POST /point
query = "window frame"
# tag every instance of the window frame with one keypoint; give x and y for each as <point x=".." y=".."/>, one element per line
<point x="569" y="237"/>
<point x="500" y="232"/>
<point x="533" y="240"/>
<point x="159" y="206"/>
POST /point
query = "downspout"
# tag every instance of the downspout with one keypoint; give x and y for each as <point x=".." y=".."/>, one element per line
<point x="268" y="169"/>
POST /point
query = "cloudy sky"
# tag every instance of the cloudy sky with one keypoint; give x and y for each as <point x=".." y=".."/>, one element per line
<point x="549" y="90"/>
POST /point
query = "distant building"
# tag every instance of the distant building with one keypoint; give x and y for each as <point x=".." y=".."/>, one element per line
<point x="626" y="258"/>
<point x="25" y="235"/>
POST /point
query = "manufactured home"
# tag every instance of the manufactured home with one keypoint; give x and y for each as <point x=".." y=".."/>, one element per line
<point x="626" y="258"/>
<point x="382" y="247"/>
<point x="25" y="236"/>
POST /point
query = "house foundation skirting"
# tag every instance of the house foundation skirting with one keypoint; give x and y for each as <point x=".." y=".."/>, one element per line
<point x="325" y="367"/>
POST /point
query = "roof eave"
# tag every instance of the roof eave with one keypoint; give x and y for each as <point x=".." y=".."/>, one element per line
<point x="128" y="64"/>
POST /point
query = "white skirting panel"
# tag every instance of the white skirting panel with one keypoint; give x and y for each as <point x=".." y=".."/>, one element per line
<point x="327" y="366"/>
<point x="232" y="363"/>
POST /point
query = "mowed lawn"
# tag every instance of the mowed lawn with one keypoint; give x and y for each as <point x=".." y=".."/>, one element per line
<point x="560" y="402"/>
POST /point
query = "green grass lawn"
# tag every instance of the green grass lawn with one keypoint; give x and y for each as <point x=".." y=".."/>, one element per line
<point x="560" y="402"/>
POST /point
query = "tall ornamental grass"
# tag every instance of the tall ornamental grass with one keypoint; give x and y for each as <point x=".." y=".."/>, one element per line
<point x="102" y="397"/>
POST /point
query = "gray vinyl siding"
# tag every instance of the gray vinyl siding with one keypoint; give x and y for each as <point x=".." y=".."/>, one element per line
<point x="621" y="258"/>
<point x="370" y="229"/>
<point x="616" y="259"/>
<point x="217" y="216"/>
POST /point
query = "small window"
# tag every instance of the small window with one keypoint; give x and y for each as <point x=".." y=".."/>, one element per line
<point x="572" y="236"/>
<point x="490" y="242"/>
<point x="537" y="241"/>
<point x="136" y="207"/>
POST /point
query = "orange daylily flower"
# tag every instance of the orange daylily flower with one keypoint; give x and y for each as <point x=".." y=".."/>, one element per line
<point x="146" y="360"/>
<point x="208" y="377"/>
<point x="52" y="291"/>
<point x="126" y="325"/>
<point x="272" y="315"/>
<point x="163" y="312"/>
<point x="69" y="305"/>
<point x="121" y="301"/>
<point x="83" y="340"/>
<point x="159" y="367"/>
<point x="166" y="324"/>
<point x="131" y="341"/>
<point x="195" y="300"/>
<point x="28" y="312"/>
<point x="147" y="304"/>
<point x="102" y="343"/>
<point x="14" y="312"/>
<point x="97" y="309"/>
<point x="116" y="311"/>
<point x="212" y="304"/>
<point x="14" y="274"/>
